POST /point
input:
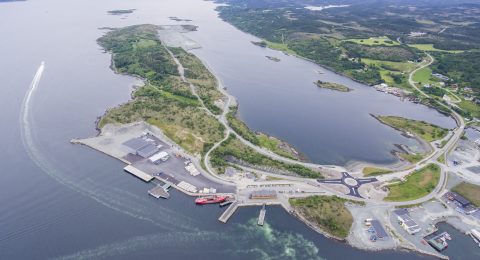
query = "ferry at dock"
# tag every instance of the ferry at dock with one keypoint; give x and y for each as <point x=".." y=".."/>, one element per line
<point x="210" y="200"/>
<point x="475" y="236"/>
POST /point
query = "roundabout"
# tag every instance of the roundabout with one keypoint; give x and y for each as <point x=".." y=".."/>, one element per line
<point x="350" y="182"/>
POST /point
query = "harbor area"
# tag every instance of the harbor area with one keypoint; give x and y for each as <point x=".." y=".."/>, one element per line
<point x="149" y="155"/>
<point x="370" y="228"/>
<point x="419" y="226"/>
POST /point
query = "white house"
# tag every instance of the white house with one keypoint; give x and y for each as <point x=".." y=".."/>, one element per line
<point x="159" y="157"/>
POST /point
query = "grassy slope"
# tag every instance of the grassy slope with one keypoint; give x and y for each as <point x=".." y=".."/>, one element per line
<point x="374" y="171"/>
<point x="471" y="107"/>
<point x="429" y="47"/>
<point x="418" y="184"/>
<point x="271" y="143"/>
<point x="329" y="213"/>
<point x="426" y="131"/>
<point x="375" y="41"/>
<point x="392" y="65"/>
<point x="412" y="158"/>
<point x="205" y="83"/>
<point x="390" y="68"/>
<point x="164" y="101"/>
<point x="423" y="76"/>
<point x="469" y="191"/>
<point x="234" y="148"/>
<point x="280" y="47"/>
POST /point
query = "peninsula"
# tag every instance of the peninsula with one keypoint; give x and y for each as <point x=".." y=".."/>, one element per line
<point x="181" y="130"/>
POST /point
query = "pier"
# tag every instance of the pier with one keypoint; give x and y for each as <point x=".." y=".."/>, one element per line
<point x="229" y="212"/>
<point x="138" y="173"/>
<point x="261" y="216"/>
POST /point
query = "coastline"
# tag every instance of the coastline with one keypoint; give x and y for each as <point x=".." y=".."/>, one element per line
<point x="402" y="246"/>
<point x="425" y="146"/>
<point x="219" y="85"/>
<point x="258" y="39"/>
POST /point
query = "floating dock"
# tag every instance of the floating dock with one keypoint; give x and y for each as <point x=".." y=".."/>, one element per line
<point x="438" y="242"/>
<point x="261" y="216"/>
<point x="138" y="173"/>
<point x="475" y="236"/>
<point x="229" y="212"/>
<point x="225" y="203"/>
<point x="159" y="192"/>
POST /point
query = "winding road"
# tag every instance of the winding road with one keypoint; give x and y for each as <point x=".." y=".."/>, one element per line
<point x="431" y="158"/>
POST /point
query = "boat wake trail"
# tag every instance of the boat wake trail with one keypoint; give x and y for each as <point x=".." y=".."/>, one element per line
<point x="28" y="96"/>
<point x="235" y="240"/>
<point x="116" y="199"/>
<point x="179" y="230"/>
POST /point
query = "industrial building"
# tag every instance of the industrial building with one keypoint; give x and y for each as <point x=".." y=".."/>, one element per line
<point x="464" y="205"/>
<point x="141" y="146"/>
<point x="159" y="157"/>
<point x="407" y="222"/>
<point x="457" y="198"/>
<point x="379" y="230"/>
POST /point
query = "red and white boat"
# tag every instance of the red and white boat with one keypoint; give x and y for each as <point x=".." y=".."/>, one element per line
<point x="210" y="200"/>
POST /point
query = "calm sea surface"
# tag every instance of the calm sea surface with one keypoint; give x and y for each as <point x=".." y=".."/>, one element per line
<point x="64" y="200"/>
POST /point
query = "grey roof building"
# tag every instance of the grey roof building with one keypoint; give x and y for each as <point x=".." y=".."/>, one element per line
<point x="141" y="146"/>
<point x="407" y="222"/>
<point x="379" y="230"/>
<point x="263" y="194"/>
<point x="459" y="199"/>
<point x="148" y="151"/>
<point x="136" y="144"/>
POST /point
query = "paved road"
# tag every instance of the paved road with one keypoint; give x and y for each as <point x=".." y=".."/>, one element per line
<point x="457" y="133"/>
<point x="353" y="186"/>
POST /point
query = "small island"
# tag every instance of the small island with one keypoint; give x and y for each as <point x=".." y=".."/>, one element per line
<point x="333" y="86"/>
<point x="260" y="43"/>
<point x="275" y="59"/>
<point x="174" y="18"/>
<point x="120" y="12"/>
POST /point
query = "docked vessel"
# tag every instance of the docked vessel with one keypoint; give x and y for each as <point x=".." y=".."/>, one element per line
<point x="475" y="236"/>
<point x="226" y="202"/>
<point x="261" y="216"/>
<point x="210" y="200"/>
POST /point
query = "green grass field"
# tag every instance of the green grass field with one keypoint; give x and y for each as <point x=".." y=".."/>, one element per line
<point x="375" y="41"/>
<point x="374" y="171"/>
<point x="273" y="144"/>
<point x="388" y="69"/>
<point x="469" y="191"/>
<point x="165" y="101"/>
<point x="391" y="65"/>
<point x="328" y="212"/>
<point x="426" y="131"/>
<point x="429" y="47"/>
<point x="280" y="47"/>
<point x="412" y="158"/>
<point x="234" y="148"/>
<point x="441" y="159"/>
<point x="470" y="107"/>
<point x="418" y="184"/>
<point x="424" y="76"/>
